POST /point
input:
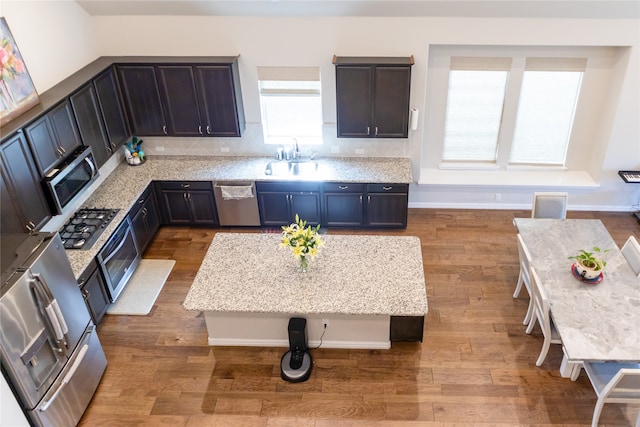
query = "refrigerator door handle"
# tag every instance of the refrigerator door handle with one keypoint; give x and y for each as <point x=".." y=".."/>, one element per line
<point x="48" y="312"/>
<point x="53" y="309"/>
<point x="78" y="360"/>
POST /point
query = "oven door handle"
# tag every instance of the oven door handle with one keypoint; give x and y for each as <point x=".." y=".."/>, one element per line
<point x="94" y="171"/>
<point x="115" y="250"/>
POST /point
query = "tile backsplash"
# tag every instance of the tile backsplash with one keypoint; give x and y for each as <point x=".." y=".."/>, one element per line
<point x="251" y="144"/>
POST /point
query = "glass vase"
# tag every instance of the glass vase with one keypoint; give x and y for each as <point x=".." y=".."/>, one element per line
<point x="304" y="264"/>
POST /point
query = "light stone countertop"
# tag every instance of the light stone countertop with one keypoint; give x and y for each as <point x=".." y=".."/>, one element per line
<point x="352" y="274"/>
<point x="126" y="183"/>
<point x="597" y="322"/>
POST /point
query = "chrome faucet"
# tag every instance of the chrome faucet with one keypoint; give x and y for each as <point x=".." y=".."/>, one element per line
<point x="296" y="149"/>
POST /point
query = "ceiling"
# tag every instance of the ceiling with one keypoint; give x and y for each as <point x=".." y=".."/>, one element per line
<point x="589" y="9"/>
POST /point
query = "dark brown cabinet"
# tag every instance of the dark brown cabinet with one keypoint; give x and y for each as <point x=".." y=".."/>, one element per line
<point x="279" y="202"/>
<point x="386" y="205"/>
<point x="92" y="132"/>
<point x="24" y="206"/>
<point x="145" y="218"/>
<point x="100" y="116"/>
<point x="94" y="292"/>
<point x="53" y="136"/>
<point x="186" y="99"/>
<point x="142" y="99"/>
<point x="187" y="203"/>
<point x="372" y="96"/>
<point x="343" y="205"/>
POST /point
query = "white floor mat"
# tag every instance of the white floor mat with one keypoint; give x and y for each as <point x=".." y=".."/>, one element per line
<point x="143" y="288"/>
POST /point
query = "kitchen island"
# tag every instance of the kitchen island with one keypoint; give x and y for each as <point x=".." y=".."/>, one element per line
<point x="248" y="287"/>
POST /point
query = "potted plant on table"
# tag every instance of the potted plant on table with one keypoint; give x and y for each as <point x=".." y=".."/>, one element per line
<point x="589" y="264"/>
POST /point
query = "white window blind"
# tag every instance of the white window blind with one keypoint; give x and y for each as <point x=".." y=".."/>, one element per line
<point x="545" y="91"/>
<point x="291" y="107"/>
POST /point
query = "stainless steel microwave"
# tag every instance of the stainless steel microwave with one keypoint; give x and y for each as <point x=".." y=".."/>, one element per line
<point x="65" y="183"/>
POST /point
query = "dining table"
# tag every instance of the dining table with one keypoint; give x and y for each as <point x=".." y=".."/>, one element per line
<point x="597" y="320"/>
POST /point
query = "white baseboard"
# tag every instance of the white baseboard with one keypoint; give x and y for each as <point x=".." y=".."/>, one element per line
<point x="233" y="342"/>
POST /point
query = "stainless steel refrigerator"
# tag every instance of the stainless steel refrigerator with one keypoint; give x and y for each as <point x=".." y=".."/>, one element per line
<point x="50" y="352"/>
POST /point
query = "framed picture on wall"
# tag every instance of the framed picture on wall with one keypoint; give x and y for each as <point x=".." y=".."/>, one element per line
<point x="17" y="93"/>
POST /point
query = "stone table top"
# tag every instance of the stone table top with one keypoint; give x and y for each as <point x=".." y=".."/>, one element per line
<point x="126" y="183"/>
<point x="352" y="274"/>
<point x="597" y="322"/>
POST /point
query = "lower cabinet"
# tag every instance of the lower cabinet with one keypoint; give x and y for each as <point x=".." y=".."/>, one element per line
<point x="94" y="292"/>
<point x="279" y="202"/>
<point x="366" y="205"/>
<point x="186" y="203"/>
<point x="145" y="218"/>
<point x="387" y="205"/>
<point x="343" y="205"/>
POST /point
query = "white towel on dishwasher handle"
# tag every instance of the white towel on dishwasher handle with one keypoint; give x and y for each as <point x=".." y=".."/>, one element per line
<point x="236" y="192"/>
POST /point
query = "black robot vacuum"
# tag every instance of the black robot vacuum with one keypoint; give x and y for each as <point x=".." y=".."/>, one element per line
<point x="295" y="365"/>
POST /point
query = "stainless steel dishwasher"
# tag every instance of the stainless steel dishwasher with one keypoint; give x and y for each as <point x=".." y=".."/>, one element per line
<point x="237" y="203"/>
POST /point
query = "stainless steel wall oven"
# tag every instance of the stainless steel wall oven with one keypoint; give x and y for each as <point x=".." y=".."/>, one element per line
<point x="119" y="258"/>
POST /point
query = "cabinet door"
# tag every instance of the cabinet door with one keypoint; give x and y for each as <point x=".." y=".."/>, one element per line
<point x="307" y="206"/>
<point x="90" y="124"/>
<point x="11" y="220"/>
<point x="64" y="127"/>
<point x="94" y="292"/>
<point x="354" y="101"/>
<point x="387" y="209"/>
<point x="146" y="222"/>
<point x="274" y="208"/>
<point x="112" y="109"/>
<point x="218" y="103"/>
<point x="176" y="207"/>
<point x="142" y="99"/>
<point x="203" y="208"/>
<point x="22" y="180"/>
<point x="44" y="145"/>
<point x="391" y="102"/>
<point x="343" y="209"/>
<point x="177" y="87"/>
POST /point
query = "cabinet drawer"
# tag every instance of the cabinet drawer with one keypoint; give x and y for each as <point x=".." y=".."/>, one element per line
<point x="387" y="188"/>
<point x="343" y="187"/>
<point x="185" y="185"/>
<point x="138" y="204"/>
<point x="281" y="186"/>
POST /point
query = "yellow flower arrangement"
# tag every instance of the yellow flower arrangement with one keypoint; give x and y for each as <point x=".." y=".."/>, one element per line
<point x="304" y="241"/>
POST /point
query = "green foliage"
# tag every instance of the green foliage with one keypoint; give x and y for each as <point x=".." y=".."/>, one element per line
<point x="591" y="259"/>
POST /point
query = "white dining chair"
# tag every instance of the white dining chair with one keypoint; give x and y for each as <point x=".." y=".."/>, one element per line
<point x="542" y="315"/>
<point x="613" y="383"/>
<point x="549" y="205"/>
<point x="523" y="277"/>
<point x="631" y="251"/>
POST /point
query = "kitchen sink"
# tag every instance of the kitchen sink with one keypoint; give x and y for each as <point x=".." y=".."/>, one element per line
<point x="291" y="167"/>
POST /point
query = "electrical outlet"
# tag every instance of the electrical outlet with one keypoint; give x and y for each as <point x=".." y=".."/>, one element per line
<point x="497" y="197"/>
<point x="335" y="149"/>
<point x="325" y="323"/>
<point x="224" y="149"/>
<point x="359" y="150"/>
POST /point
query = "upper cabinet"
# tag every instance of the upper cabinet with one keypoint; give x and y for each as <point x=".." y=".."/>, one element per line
<point x="24" y="206"/>
<point x="100" y="116"/>
<point x="372" y="96"/>
<point x="53" y="136"/>
<point x="184" y="99"/>
<point x="142" y="99"/>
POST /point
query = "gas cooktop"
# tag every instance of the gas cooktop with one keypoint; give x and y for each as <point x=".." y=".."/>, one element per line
<point x="85" y="226"/>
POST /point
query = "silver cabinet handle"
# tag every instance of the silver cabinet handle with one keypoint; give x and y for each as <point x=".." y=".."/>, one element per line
<point x="386" y="188"/>
<point x="369" y="199"/>
<point x="368" y="130"/>
<point x="208" y="130"/>
<point x="185" y="185"/>
<point x="200" y="130"/>
<point x="343" y="187"/>
<point x="164" y="130"/>
<point x="376" y="130"/>
<point x="361" y="199"/>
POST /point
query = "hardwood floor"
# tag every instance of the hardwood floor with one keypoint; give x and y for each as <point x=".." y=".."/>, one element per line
<point x="476" y="365"/>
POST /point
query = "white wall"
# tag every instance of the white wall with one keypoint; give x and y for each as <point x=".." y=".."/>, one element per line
<point x="313" y="42"/>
